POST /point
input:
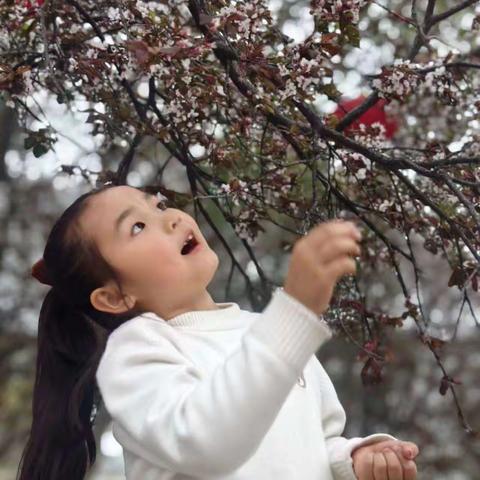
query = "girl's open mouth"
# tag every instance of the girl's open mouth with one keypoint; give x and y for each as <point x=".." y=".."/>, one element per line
<point x="191" y="245"/>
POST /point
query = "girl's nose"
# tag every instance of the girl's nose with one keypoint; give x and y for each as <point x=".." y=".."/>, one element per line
<point x="174" y="221"/>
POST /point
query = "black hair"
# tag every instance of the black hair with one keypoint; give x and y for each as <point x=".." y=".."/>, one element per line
<point x="71" y="338"/>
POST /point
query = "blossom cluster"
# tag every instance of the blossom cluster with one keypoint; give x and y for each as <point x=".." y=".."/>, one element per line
<point x="237" y="190"/>
<point x="148" y="8"/>
<point x="243" y="18"/>
<point x="278" y="187"/>
<point x="302" y="77"/>
<point x="440" y="83"/>
<point x="406" y="78"/>
<point x="398" y="81"/>
<point x="246" y="225"/>
<point x="305" y="70"/>
<point x="332" y="10"/>
<point x="370" y="136"/>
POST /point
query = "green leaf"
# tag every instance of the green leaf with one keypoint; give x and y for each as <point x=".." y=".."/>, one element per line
<point x="39" y="149"/>
<point x="351" y="31"/>
<point x="346" y="18"/>
<point x="28" y="143"/>
<point x="330" y="90"/>
<point x="320" y="26"/>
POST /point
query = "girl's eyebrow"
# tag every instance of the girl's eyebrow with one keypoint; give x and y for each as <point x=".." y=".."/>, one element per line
<point x="128" y="211"/>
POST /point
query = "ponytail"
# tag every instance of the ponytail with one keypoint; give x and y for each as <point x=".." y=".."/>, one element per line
<point x="71" y="340"/>
<point x="61" y="444"/>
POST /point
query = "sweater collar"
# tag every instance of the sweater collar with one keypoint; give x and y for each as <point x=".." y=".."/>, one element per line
<point x="227" y="316"/>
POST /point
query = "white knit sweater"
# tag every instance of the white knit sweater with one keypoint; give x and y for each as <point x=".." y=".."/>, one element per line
<point x="226" y="394"/>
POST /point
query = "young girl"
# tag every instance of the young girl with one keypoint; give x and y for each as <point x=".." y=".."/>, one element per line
<point x="196" y="389"/>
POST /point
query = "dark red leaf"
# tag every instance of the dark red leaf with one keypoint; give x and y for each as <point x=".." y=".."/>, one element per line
<point x="141" y="51"/>
<point x="444" y="384"/>
<point x="475" y="282"/>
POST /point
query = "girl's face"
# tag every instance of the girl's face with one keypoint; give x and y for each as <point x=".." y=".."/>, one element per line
<point x="142" y="240"/>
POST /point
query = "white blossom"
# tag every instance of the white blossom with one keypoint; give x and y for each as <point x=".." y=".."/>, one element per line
<point x="114" y="13"/>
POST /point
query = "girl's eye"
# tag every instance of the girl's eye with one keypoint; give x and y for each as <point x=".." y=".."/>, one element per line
<point x="135" y="224"/>
<point x="162" y="207"/>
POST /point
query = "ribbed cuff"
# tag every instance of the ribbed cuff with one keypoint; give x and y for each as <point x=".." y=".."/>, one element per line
<point x="344" y="471"/>
<point x="291" y="329"/>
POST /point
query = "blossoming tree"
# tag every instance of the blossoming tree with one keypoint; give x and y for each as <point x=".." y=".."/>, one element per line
<point x="220" y="75"/>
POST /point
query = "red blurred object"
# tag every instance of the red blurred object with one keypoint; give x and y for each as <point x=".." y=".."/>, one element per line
<point x="372" y="115"/>
<point x="31" y="3"/>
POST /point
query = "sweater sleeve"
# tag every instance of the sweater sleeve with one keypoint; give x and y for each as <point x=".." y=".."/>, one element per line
<point x="333" y="420"/>
<point x="179" y="418"/>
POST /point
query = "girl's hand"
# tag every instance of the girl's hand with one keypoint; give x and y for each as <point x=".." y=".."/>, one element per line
<point x="387" y="460"/>
<point x="319" y="260"/>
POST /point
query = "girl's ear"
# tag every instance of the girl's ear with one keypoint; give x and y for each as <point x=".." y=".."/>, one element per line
<point x="109" y="299"/>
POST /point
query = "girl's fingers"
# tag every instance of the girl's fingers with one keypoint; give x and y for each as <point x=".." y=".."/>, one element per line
<point x="379" y="466"/>
<point x="388" y="463"/>
<point x="410" y="471"/>
<point x="410" y="450"/>
<point x="409" y="467"/>
<point x="363" y="467"/>
<point x="394" y="467"/>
